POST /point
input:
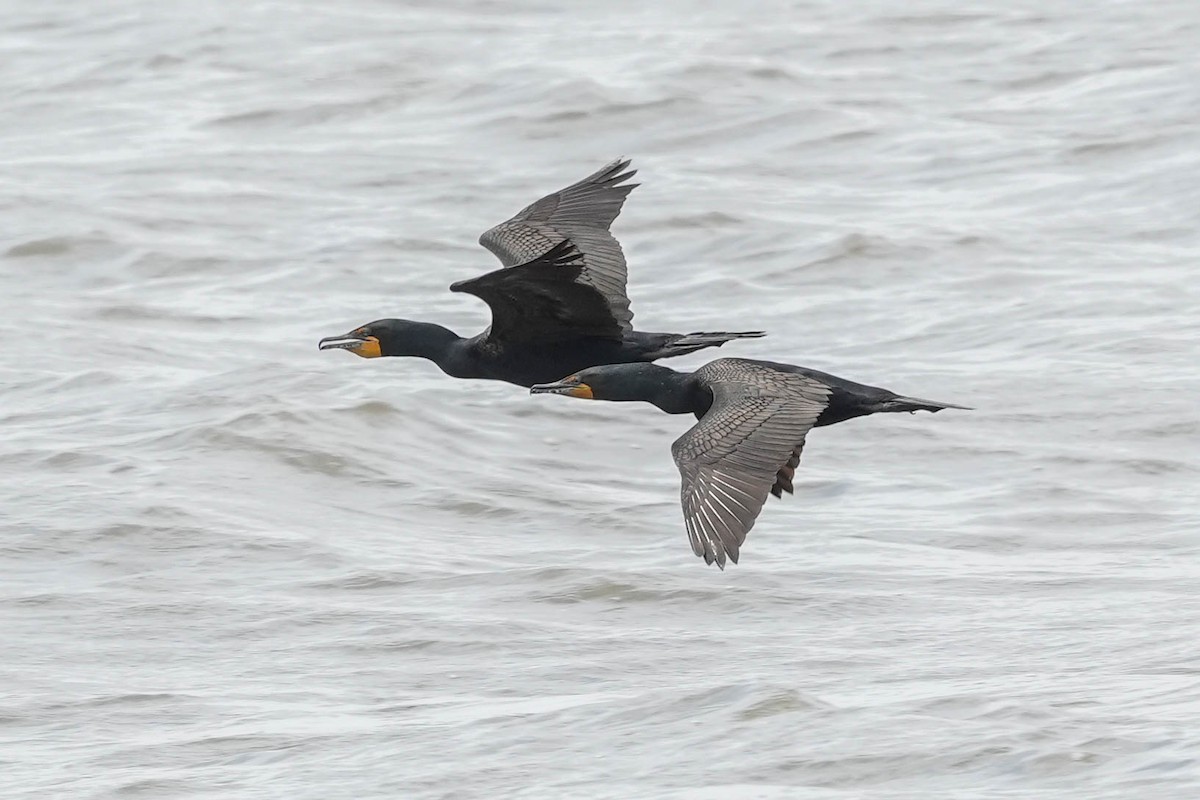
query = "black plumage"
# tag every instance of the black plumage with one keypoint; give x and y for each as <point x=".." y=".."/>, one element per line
<point x="558" y="305"/>
<point x="753" y="419"/>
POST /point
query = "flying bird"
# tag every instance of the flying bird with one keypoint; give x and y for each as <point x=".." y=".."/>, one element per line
<point x="559" y="303"/>
<point x="753" y="418"/>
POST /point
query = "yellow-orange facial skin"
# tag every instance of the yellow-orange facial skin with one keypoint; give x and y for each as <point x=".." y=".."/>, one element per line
<point x="570" y="386"/>
<point x="368" y="349"/>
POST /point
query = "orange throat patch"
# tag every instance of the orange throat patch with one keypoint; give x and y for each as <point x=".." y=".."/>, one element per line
<point x="368" y="349"/>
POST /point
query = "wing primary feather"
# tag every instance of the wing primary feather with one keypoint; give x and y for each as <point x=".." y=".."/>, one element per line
<point x="581" y="213"/>
<point x="744" y="449"/>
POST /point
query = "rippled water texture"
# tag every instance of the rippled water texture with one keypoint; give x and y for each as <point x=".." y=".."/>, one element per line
<point x="234" y="567"/>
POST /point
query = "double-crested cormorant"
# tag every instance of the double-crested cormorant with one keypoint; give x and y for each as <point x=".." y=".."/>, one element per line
<point x="753" y="418"/>
<point x="558" y="305"/>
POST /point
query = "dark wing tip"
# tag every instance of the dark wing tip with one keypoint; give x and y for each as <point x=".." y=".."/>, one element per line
<point x="614" y="174"/>
<point x="716" y="553"/>
<point x="563" y="254"/>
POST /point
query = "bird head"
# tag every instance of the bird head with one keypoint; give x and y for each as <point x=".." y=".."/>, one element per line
<point x="615" y="382"/>
<point x="367" y="341"/>
<point x="394" y="337"/>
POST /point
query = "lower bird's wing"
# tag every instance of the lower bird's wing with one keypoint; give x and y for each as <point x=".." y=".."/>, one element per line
<point x="730" y="459"/>
<point x="542" y="300"/>
<point x="581" y="214"/>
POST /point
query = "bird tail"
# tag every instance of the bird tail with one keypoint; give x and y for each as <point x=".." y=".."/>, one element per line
<point x="912" y="404"/>
<point x="685" y="343"/>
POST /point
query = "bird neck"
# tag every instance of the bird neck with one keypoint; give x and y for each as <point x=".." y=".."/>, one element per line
<point x="427" y="340"/>
<point x="671" y="391"/>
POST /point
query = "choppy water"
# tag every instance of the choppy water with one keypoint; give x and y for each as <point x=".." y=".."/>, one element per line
<point x="231" y="566"/>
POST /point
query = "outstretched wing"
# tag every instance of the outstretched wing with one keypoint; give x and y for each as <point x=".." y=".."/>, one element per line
<point x="730" y="460"/>
<point x="543" y="299"/>
<point x="582" y="214"/>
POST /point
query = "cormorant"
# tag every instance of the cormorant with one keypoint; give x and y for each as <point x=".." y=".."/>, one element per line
<point x="558" y="305"/>
<point x="753" y="417"/>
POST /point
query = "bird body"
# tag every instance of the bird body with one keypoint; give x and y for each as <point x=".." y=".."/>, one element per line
<point x="526" y="363"/>
<point x="559" y="303"/>
<point x="752" y="421"/>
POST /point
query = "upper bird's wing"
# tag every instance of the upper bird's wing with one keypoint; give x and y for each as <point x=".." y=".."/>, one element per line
<point x="729" y="460"/>
<point x="543" y="299"/>
<point x="582" y="214"/>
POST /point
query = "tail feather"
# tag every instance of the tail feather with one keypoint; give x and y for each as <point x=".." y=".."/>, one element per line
<point x="912" y="404"/>
<point x="717" y="337"/>
<point x="691" y="342"/>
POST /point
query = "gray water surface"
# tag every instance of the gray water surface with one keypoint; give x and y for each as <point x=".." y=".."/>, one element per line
<point x="234" y="567"/>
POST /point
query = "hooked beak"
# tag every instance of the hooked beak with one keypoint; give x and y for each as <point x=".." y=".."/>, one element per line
<point x="571" y="387"/>
<point x="364" y="346"/>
